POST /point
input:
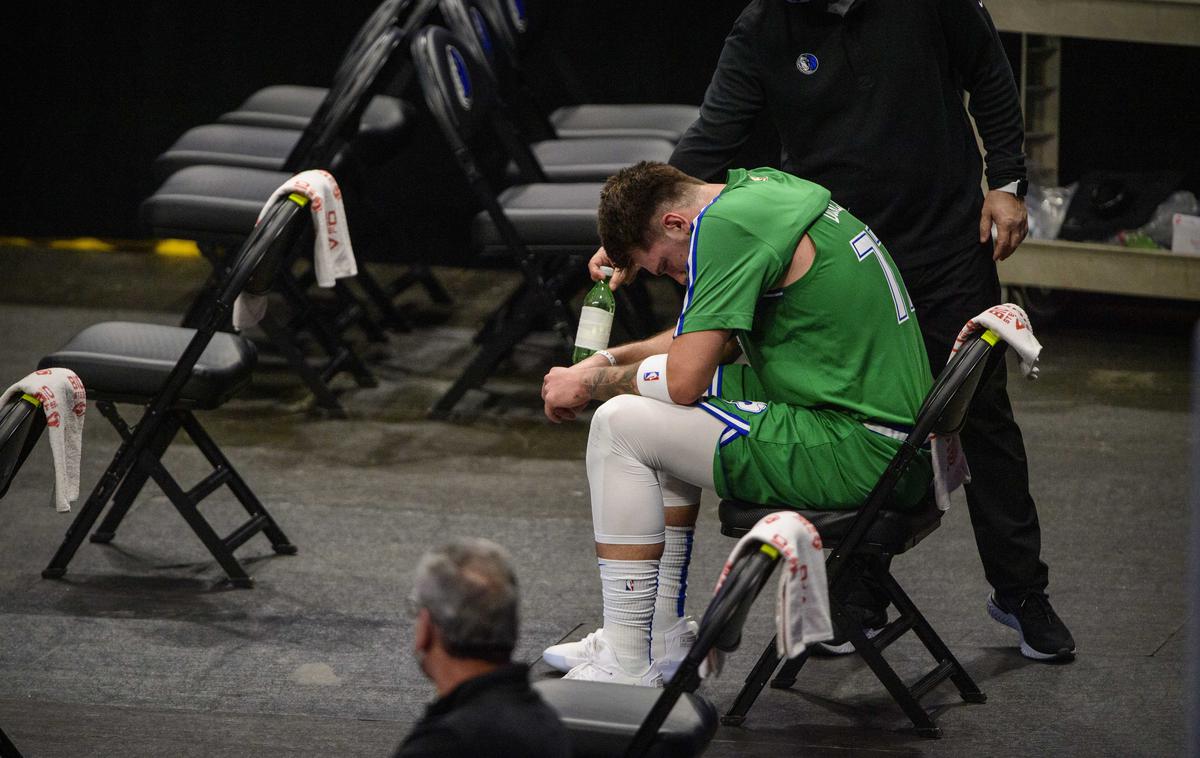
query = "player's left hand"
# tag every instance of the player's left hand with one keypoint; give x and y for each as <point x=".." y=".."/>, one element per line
<point x="564" y="394"/>
<point x="1007" y="212"/>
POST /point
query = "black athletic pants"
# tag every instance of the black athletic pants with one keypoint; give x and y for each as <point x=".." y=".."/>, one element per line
<point x="946" y="294"/>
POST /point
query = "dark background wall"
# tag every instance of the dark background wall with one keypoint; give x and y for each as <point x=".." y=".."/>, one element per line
<point x="92" y="92"/>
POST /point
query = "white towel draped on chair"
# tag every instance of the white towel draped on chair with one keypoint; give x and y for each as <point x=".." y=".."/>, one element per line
<point x="64" y="401"/>
<point x="333" y="255"/>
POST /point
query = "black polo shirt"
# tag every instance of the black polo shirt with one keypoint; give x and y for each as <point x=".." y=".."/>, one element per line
<point x="497" y="714"/>
<point x="870" y="106"/>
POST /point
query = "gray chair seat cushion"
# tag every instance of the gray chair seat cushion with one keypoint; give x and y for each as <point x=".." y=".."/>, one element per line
<point x="667" y="122"/>
<point x="898" y="530"/>
<point x="602" y="718"/>
<point x="129" y="362"/>
<point x="291" y="106"/>
<point x="210" y="203"/>
<point x="228" y="145"/>
<point x="594" y="160"/>
<point x="558" y="216"/>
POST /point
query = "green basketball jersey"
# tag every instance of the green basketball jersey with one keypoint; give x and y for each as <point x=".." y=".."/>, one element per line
<point x="837" y="348"/>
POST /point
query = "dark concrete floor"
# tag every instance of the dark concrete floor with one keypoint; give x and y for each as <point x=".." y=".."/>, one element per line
<point x="142" y="650"/>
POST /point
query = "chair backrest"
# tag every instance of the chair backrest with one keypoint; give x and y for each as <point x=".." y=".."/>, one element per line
<point x="943" y="411"/>
<point x="336" y="119"/>
<point x="721" y="628"/>
<point x="21" y="423"/>
<point x="512" y="27"/>
<point x="463" y="98"/>
<point x="387" y="13"/>
<point x="945" y="407"/>
<point x="458" y="89"/>
<point x="260" y="257"/>
<point x="467" y="20"/>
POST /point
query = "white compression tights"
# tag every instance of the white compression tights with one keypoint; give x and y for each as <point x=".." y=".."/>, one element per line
<point x="644" y="455"/>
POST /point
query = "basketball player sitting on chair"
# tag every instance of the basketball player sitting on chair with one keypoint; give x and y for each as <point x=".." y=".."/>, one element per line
<point x="836" y="374"/>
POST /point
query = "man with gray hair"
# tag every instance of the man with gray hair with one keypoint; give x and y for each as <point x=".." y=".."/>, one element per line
<point x="465" y="598"/>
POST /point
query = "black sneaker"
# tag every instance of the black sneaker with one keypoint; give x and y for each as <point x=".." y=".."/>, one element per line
<point x="873" y="622"/>
<point x="1044" y="636"/>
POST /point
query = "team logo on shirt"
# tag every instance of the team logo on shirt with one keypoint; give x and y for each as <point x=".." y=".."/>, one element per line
<point x="462" y="79"/>
<point x="807" y="64"/>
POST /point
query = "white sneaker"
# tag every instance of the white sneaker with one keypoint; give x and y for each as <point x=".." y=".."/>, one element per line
<point x="677" y="641"/>
<point x="603" y="666"/>
<point x="567" y="655"/>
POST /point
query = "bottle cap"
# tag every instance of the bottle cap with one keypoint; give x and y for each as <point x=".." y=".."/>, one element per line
<point x="607" y="271"/>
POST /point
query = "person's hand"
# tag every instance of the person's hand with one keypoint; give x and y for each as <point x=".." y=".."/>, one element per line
<point x="564" y="393"/>
<point x="1007" y="212"/>
<point x="620" y="275"/>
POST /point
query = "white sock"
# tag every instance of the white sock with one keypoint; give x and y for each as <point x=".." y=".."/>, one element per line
<point x="629" y="589"/>
<point x="672" y="579"/>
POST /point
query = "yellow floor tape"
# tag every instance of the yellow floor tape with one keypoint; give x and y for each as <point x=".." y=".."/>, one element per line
<point x="171" y="247"/>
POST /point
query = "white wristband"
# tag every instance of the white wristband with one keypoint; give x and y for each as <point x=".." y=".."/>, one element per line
<point x="612" y="361"/>
<point x="652" y="378"/>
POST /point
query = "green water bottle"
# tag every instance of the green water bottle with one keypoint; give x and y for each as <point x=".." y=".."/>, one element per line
<point x="596" y="318"/>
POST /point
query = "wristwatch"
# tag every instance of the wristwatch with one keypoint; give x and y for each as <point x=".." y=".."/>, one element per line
<point x="1018" y="188"/>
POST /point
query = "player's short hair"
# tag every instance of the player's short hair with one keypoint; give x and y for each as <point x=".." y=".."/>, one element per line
<point x="470" y="591"/>
<point x="630" y="200"/>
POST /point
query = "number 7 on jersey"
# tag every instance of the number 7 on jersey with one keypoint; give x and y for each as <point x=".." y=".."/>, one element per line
<point x="865" y="244"/>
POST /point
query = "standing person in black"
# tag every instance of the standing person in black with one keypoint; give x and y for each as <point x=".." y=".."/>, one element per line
<point x="465" y="594"/>
<point x="866" y="96"/>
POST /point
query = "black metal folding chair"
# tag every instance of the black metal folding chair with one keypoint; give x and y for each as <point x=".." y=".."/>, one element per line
<point x="170" y="372"/>
<point x="21" y="424"/>
<point x="863" y="542"/>
<point x="343" y="129"/>
<point x="290" y="106"/>
<point x="515" y="25"/>
<point x="546" y="229"/>
<point x="583" y="159"/>
<point x="217" y="206"/>
<point x="616" y="719"/>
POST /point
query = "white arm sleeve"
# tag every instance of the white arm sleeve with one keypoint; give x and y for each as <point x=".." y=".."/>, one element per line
<point x="652" y="378"/>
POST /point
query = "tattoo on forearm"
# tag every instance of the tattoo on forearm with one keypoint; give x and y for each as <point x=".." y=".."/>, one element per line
<point x="606" y="383"/>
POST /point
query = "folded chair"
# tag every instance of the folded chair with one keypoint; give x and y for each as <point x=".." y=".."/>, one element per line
<point x="274" y="128"/>
<point x="217" y="206"/>
<point x="546" y="229"/>
<point x="290" y="106"/>
<point x="514" y="28"/>
<point x="616" y="719"/>
<point x="338" y="136"/>
<point x="21" y="423"/>
<point x="863" y="541"/>
<point x="171" y="372"/>
<point x="583" y="159"/>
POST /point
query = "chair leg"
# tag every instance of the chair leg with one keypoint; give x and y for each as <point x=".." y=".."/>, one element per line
<point x="496" y="346"/>
<point x="789" y="671"/>
<point x="120" y="465"/>
<point x="341" y="354"/>
<point x="279" y="541"/>
<point x="133" y="482"/>
<point x="284" y="341"/>
<point x="7" y="748"/>
<point x="381" y="299"/>
<point x="187" y="508"/>
<point x="421" y="274"/>
<point x="755" y="681"/>
<point x="883" y="671"/>
<point x="967" y="688"/>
